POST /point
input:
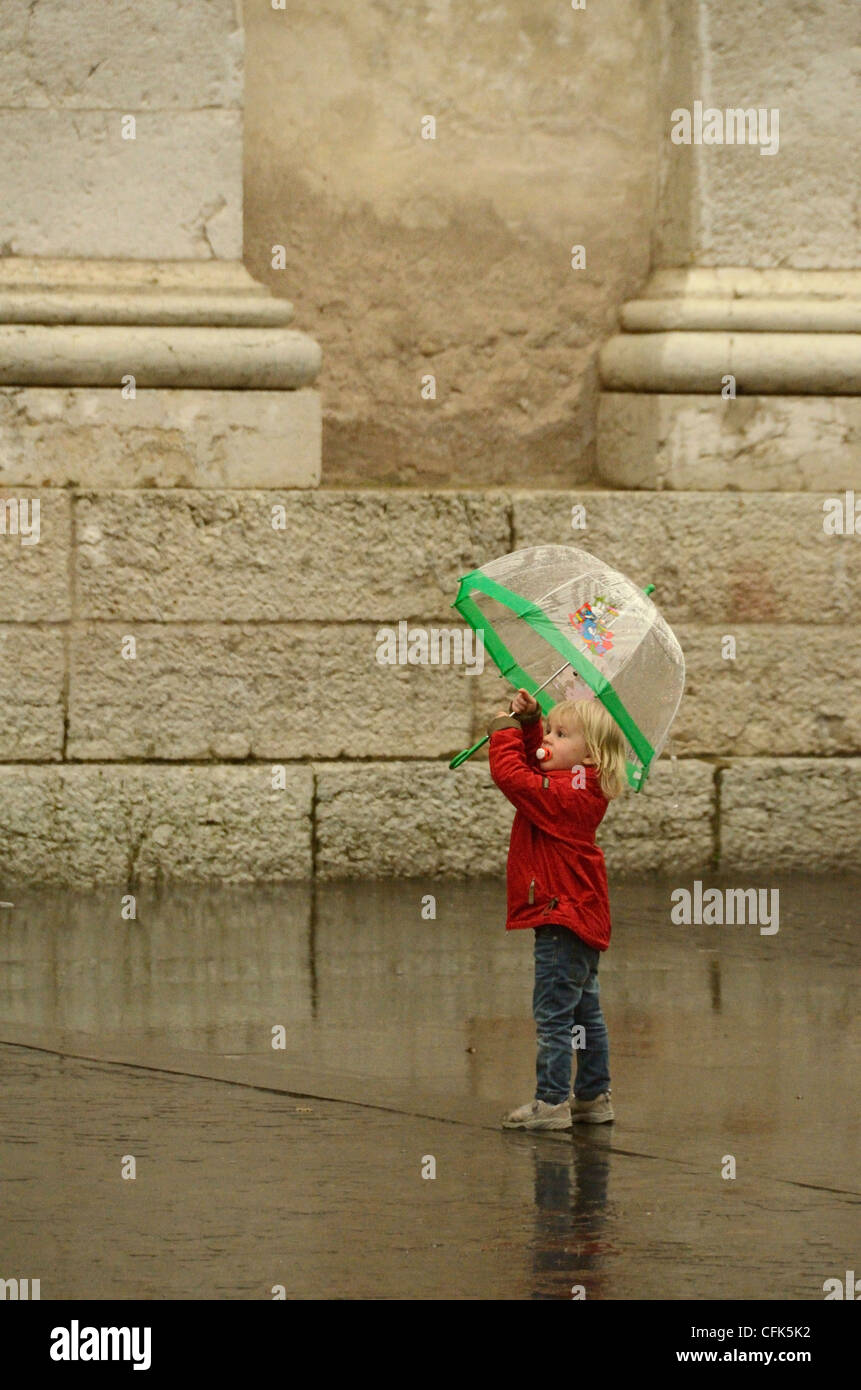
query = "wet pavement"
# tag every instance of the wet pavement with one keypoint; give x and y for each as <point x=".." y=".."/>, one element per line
<point x="404" y="1040"/>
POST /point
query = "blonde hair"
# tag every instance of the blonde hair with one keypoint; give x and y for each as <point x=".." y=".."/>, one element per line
<point x="603" y="738"/>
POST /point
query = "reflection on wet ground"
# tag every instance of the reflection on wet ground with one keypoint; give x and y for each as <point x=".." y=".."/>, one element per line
<point x="404" y="1040"/>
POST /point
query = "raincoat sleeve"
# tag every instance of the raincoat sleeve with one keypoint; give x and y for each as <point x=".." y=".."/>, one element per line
<point x="544" y="805"/>
<point x="533" y="736"/>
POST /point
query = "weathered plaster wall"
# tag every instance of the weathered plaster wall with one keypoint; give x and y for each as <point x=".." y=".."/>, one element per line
<point x="256" y="650"/>
<point x="452" y="256"/>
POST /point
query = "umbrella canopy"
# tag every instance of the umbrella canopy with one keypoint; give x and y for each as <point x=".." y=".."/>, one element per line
<point x="553" y="606"/>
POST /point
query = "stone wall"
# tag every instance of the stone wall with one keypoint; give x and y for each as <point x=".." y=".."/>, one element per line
<point x="188" y="677"/>
<point x="253" y="733"/>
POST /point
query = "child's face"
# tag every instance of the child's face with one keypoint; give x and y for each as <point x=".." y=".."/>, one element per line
<point x="567" y="746"/>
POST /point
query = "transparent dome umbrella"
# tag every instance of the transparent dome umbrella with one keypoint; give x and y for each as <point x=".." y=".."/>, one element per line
<point x="565" y="626"/>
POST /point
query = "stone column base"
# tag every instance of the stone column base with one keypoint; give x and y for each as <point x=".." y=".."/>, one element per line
<point x="152" y="374"/>
<point x="735" y="378"/>
<point x="756" y="443"/>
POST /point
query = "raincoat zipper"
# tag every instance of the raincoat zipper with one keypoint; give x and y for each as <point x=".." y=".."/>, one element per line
<point x="554" y="902"/>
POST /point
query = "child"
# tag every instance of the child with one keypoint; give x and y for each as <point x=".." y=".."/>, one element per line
<point x="557" y="884"/>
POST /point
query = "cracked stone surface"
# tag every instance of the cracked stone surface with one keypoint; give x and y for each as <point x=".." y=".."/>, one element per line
<point x="799" y="812"/>
<point x="123" y="198"/>
<point x="63" y="54"/>
<point x="79" y="185"/>
<point x="32" y="662"/>
<point x="86" y="436"/>
<point x="217" y="691"/>
<point x="34" y="573"/>
<point x="753" y="443"/>
<point x="713" y="556"/>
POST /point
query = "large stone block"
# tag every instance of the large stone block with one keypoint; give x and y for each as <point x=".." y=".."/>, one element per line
<point x="32" y="666"/>
<point x="77" y="188"/>
<point x="425" y="820"/>
<point x="668" y="825"/>
<point x="730" y="204"/>
<point x="789" y="691"/>
<point x="713" y="557"/>
<point x="74" y="55"/>
<point x="92" y="437"/>
<point x="382" y="556"/>
<point x="263" y="691"/>
<point x="428" y="819"/>
<point x="753" y="443"/>
<point x="124" y="824"/>
<point x="799" y="813"/>
<point x="34" y="555"/>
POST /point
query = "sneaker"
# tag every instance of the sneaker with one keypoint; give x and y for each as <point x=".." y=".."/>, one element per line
<point x="537" y="1114"/>
<point x="593" y="1112"/>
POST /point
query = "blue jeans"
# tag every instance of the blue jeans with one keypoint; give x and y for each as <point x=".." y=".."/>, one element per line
<point x="565" y="996"/>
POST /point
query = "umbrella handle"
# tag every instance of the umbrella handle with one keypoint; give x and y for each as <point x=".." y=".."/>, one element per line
<point x="468" y="752"/>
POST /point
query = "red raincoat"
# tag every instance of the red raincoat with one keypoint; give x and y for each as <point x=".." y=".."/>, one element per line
<point x="555" y="869"/>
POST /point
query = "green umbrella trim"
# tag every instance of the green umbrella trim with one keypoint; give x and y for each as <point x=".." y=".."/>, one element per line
<point x="547" y="629"/>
